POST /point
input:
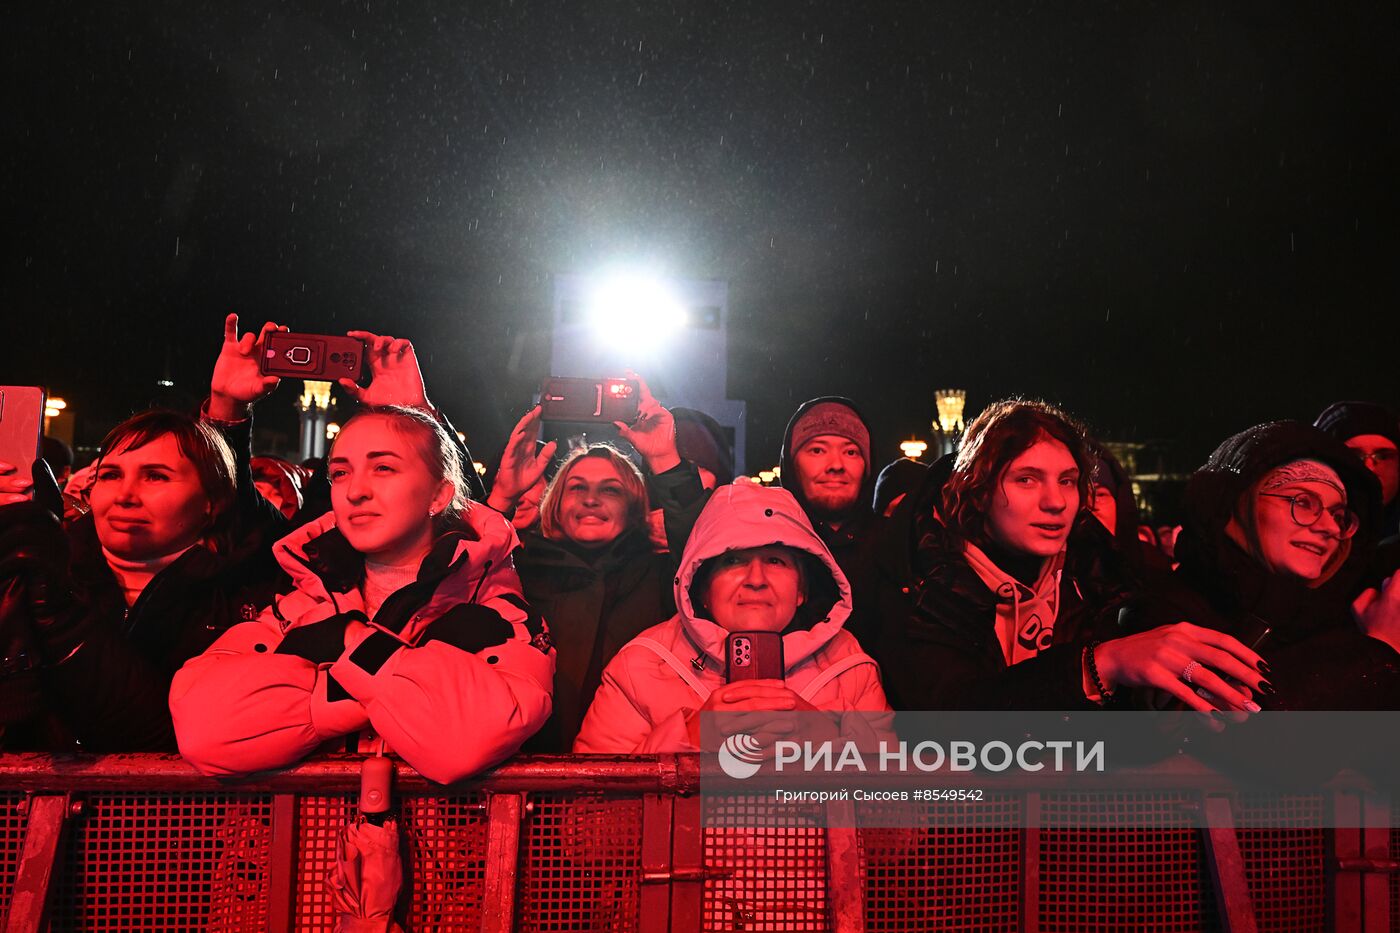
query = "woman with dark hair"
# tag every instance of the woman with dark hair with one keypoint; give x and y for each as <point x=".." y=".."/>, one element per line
<point x="176" y="549"/>
<point x="1002" y="591"/>
<point x="406" y="620"/>
<point x="1280" y="527"/>
<point x="589" y="566"/>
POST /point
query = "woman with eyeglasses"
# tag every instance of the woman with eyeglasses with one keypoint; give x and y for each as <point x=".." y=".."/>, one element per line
<point x="1280" y="527"/>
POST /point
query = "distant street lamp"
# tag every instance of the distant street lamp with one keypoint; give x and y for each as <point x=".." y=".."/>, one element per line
<point x="949" y="426"/>
<point x="913" y="448"/>
<point x="55" y="407"/>
<point x="314" y="405"/>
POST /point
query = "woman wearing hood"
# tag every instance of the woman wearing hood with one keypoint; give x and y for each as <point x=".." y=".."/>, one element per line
<point x="753" y="563"/>
<point x="1280" y="526"/>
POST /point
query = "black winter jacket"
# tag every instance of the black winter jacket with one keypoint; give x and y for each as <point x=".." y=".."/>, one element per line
<point x="938" y="647"/>
<point x="594" y="604"/>
<point x="1319" y="658"/>
<point x="856" y="542"/>
<point x="107" y="680"/>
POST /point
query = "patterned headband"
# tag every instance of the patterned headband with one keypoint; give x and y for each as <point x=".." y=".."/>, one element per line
<point x="1303" y="471"/>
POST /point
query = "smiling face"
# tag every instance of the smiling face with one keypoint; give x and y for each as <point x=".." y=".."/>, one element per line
<point x="1288" y="548"/>
<point x="1035" y="500"/>
<point x="830" y="469"/>
<point x="148" y="502"/>
<point x="382" y="492"/>
<point x="754" y="589"/>
<point x="593" y="508"/>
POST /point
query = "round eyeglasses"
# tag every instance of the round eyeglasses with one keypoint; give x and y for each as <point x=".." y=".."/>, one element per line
<point x="1306" y="509"/>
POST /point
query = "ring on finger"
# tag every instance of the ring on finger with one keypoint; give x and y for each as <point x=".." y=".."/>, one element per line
<point x="1189" y="671"/>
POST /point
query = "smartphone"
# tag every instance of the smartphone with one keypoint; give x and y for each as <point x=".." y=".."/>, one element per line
<point x="753" y="656"/>
<point x="313" y="356"/>
<point x="1252" y="633"/>
<point x="603" y="400"/>
<point x="21" y="426"/>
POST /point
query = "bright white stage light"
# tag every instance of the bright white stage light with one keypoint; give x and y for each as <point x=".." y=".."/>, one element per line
<point x="635" y="312"/>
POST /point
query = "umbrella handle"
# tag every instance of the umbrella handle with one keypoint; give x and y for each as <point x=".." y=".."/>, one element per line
<point x="376" y="777"/>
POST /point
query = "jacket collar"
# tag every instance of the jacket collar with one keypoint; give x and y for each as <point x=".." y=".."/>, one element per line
<point x="321" y="561"/>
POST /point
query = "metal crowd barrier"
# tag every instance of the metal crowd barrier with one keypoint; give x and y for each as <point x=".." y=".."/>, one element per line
<point x="142" y="842"/>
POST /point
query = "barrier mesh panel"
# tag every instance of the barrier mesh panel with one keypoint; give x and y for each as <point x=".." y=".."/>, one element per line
<point x="11" y="843"/>
<point x="580" y="864"/>
<point x="961" y="870"/>
<point x="1395" y="854"/>
<point x="166" y="862"/>
<point x="444" y="851"/>
<point x="319" y="821"/>
<point x="1285" y="867"/>
<point x="447" y="862"/>
<point x="770" y="878"/>
<point x="1134" y="865"/>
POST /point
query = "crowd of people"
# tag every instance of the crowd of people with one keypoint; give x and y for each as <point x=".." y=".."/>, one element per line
<point x="180" y="593"/>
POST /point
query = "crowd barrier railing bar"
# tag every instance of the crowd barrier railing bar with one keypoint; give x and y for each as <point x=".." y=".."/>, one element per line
<point x="557" y="843"/>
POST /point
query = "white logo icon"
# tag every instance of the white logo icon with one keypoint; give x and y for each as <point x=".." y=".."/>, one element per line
<point x="740" y="756"/>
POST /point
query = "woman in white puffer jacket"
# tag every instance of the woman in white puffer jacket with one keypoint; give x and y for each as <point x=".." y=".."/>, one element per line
<point x="752" y="563"/>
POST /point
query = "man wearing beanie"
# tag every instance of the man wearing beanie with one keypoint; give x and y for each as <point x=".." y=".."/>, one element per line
<point x="826" y="465"/>
<point x="1373" y="434"/>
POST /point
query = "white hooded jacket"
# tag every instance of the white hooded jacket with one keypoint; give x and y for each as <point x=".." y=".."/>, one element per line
<point x="666" y="673"/>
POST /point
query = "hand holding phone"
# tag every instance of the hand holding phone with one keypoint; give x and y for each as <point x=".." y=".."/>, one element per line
<point x="238" y="380"/>
<point x="21" y="434"/>
<point x="602" y="401"/>
<point x="753" y="656"/>
<point x="312" y="356"/>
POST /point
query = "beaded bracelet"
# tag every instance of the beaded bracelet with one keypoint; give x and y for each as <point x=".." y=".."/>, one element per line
<point x="1104" y="693"/>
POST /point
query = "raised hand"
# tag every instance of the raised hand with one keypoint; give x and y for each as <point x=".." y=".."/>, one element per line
<point x="1377" y="611"/>
<point x="653" y="434"/>
<point x="395" y="378"/>
<point x="521" y="465"/>
<point x="237" y="382"/>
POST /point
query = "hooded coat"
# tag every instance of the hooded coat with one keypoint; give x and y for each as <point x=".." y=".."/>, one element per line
<point x="1345" y="420"/>
<point x="854" y="543"/>
<point x="939" y="646"/>
<point x="669" y="671"/>
<point x="1319" y="658"/>
<point x="454" y="674"/>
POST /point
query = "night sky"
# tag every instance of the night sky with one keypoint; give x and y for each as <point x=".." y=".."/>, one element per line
<point x="1175" y="219"/>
